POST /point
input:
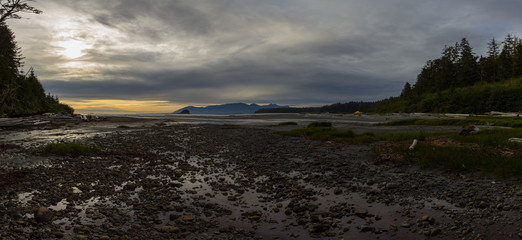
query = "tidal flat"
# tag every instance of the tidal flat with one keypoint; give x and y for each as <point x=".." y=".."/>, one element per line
<point x="188" y="177"/>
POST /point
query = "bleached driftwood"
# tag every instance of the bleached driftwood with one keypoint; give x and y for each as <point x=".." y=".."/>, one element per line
<point x="517" y="140"/>
<point x="415" y="141"/>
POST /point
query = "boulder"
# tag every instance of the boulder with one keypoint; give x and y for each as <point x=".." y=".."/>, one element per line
<point x="43" y="215"/>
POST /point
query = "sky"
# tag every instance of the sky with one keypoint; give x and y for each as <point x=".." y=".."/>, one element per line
<point x="156" y="56"/>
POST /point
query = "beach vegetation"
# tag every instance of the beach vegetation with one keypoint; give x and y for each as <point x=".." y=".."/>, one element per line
<point x="71" y="149"/>
<point x="288" y="124"/>
<point x="514" y="122"/>
<point x="319" y="124"/>
<point x="230" y="126"/>
<point x="489" y="151"/>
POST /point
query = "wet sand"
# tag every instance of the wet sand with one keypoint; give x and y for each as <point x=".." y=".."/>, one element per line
<point x="186" y="177"/>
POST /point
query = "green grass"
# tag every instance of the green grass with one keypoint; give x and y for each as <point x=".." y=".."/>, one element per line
<point x="514" y="122"/>
<point x="123" y="126"/>
<point x="230" y="126"/>
<point x="465" y="158"/>
<point x="492" y="137"/>
<point x="70" y="149"/>
<point x="288" y="124"/>
<point x="398" y="136"/>
<point x="319" y="124"/>
<point x="488" y="151"/>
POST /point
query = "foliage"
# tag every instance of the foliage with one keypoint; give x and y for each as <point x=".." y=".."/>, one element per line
<point x="515" y="122"/>
<point x="461" y="82"/>
<point x="498" y="137"/>
<point x="319" y="124"/>
<point x="230" y="126"/>
<point x="9" y="9"/>
<point x="349" y="107"/>
<point x="21" y="94"/>
<point x="488" y="151"/>
<point x="71" y="149"/>
<point x="287" y="124"/>
<point x="465" y="158"/>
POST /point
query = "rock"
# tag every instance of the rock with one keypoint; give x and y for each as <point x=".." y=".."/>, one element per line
<point x="227" y="229"/>
<point x="169" y="229"/>
<point x="43" y="215"/>
<point x="338" y="191"/>
<point x="232" y="198"/>
<point x="361" y="213"/>
<point x="130" y="186"/>
<point x="58" y="234"/>
<point x="319" y="228"/>
<point x="366" y="228"/>
<point x="428" y="219"/>
<point x="188" y="218"/>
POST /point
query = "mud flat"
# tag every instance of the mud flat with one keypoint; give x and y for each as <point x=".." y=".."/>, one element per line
<point x="160" y="179"/>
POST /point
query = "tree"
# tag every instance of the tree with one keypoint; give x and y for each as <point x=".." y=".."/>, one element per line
<point x="467" y="66"/>
<point x="406" y="91"/>
<point x="9" y="9"/>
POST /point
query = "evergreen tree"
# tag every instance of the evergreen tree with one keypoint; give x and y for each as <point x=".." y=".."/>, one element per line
<point x="406" y="91"/>
<point x="467" y="66"/>
<point x="21" y="94"/>
<point x="489" y="65"/>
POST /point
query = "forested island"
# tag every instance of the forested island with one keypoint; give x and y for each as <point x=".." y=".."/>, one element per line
<point x="457" y="82"/>
<point x="21" y="94"/>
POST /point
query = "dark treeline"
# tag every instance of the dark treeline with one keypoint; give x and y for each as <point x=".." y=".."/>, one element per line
<point x="458" y="81"/>
<point x="349" y="107"/>
<point x="21" y="94"/>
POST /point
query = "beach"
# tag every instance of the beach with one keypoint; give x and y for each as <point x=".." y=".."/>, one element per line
<point x="166" y="176"/>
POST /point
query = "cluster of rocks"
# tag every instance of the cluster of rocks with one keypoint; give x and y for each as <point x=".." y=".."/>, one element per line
<point x="202" y="181"/>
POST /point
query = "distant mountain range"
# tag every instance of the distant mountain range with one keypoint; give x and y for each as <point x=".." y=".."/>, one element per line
<point x="231" y="108"/>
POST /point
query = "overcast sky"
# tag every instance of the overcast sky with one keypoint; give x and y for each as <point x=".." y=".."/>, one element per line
<point x="159" y="55"/>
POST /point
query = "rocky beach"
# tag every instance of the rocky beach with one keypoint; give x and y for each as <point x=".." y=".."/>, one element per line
<point x="168" y="178"/>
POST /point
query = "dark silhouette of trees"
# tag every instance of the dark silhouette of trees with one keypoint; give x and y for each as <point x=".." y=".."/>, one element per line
<point x="460" y="81"/>
<point x="20" y="94"/>
<point x="9" y="9"/>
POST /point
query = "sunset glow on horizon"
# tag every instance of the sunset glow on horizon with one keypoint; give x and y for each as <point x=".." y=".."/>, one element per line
<point x="111" y="106"/>
<point x="297" y="53"/>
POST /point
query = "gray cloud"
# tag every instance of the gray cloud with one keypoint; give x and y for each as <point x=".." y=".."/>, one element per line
<point x="288" y="52"/>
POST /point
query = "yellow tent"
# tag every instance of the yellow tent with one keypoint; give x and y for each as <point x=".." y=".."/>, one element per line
<point x="357" y="113"/>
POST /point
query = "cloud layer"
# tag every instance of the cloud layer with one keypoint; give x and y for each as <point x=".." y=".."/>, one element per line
<point x="282" y="51"/>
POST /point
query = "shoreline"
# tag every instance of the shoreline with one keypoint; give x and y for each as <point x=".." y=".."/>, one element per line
<point x="163" y="179"/>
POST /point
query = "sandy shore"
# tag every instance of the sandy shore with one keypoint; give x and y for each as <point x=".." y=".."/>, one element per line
<point x="180" y="177"/>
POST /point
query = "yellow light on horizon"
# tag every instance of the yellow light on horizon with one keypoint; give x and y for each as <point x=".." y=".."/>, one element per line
<point x="112" y="106"/>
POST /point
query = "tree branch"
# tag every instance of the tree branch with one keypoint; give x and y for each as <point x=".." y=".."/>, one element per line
<point x="9" y="9"/>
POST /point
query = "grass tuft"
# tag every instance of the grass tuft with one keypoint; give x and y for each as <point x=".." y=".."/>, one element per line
<point x="71" y="149"/>
<point x="319" y="124"/>
<point x="514" y="122"/>
<point x="230" y="126"/>
<point x="465" y="158"/>
<point x="488" y="151"/>
<point x="288" y="124"/>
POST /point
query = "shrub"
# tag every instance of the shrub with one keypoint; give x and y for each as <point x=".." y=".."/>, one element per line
<point x="71" y="149"/>
<point x="287" y="123"/>
<point x="319" y="124"/>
